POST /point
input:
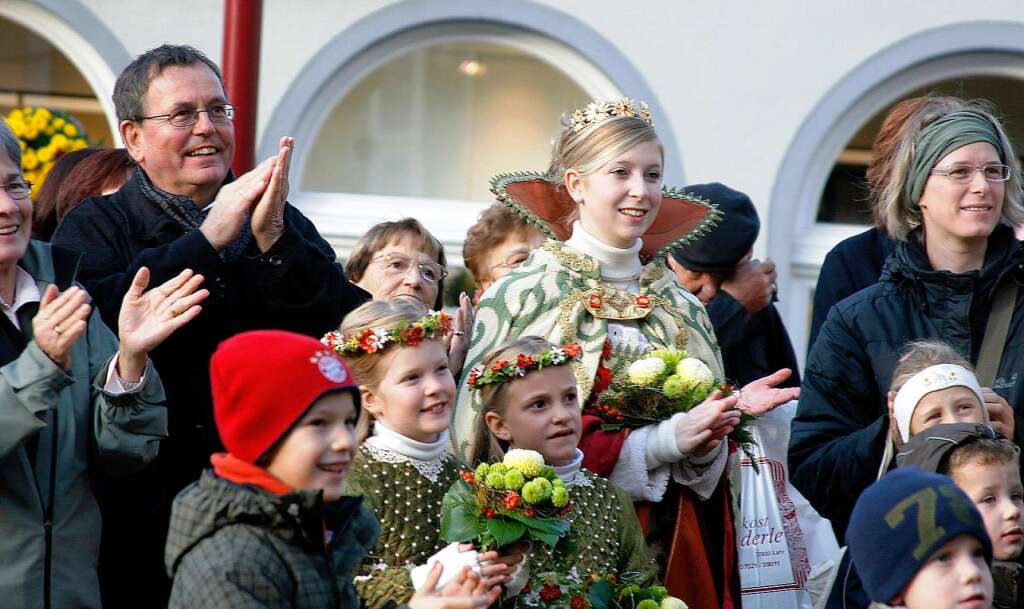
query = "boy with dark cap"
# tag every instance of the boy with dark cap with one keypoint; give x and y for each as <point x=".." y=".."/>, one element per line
<point x="736" y="290"/>
<point x="986" y="467"/>
<point x="268" y="526"/>
<point x="917" y="541"/>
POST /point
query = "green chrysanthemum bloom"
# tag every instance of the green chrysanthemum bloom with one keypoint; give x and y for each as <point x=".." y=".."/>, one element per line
<point x="674" y="387"/>
<point x="558" y="482"/>
<point x="549" y="472"/>
<point x="545" y="486"/>
<point x="532" y="493"/>
<point x="559" y="496"/>
<point x="498" y="468"/>
<point x="659" y="592"/>
<point x="481" y="471"/>
<point x="647" y="604"/>
<point x="670" y="355"/>
<point x="645" y="371"/>
<point x="530" y="462"/>
<point x="496" y="480"/>
<point x="514" y="480"/>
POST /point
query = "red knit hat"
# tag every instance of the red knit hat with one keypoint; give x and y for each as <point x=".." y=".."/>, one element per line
<point x="264" y="381"/>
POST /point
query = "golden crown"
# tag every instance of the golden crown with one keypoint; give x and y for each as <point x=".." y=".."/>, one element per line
<point x="595" y="112"/>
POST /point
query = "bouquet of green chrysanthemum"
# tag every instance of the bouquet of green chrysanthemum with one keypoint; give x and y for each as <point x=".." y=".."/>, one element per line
<point x="572" y="591"/>
<point x="501" y="503"/>
<point x="650" y="388"/>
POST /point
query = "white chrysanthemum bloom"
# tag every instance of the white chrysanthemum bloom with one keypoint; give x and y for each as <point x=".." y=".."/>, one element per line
<point x="558" y="356"/>
<point x="380" y="337"/>
<point x="644" y="371"/>
<point x="671" y="602"/>
<point x="695" y="373"/>
<point x="529" y="462"/>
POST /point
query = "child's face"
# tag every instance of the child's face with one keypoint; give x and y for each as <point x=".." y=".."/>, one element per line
<point x="318" y="451"/>
<point x="951" y="405"/>
<point x="414" y="396"/>
<point x="955" y="577"/>
<point x="996" y="489"/>
<point x="542" y="413"/>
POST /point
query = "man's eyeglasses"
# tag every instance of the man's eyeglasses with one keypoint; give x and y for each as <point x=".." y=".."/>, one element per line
<point x="964" y="172"/>
<point x="18" y="189"/>
<point x="399" y="264"/>
<point x="219" y="114"/>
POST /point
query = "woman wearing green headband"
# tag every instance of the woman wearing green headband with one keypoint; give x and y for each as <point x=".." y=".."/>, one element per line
<point x="949" y="192"/>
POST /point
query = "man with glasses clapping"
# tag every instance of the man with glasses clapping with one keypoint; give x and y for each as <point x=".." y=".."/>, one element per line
<point x="265" y="265"/>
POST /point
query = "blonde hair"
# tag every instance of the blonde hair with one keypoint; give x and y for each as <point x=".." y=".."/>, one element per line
<point x="594" y="146"/>
<point x="486" y="447"/>
<point x="920" y="354"/>
<point x="368" y="368"/>
<point x="891" y="162"/>
<point x="984" y="451"/>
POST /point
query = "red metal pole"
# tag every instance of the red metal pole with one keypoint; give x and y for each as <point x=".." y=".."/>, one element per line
<point x="241" y="65"/>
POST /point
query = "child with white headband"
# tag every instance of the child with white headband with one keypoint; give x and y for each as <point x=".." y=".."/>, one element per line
<point x="931" y="384"/>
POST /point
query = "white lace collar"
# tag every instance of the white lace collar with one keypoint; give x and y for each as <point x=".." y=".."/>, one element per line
<point x="389" y="446"/>
<point x="617" y="264"/>
<point x="572" y="473"/>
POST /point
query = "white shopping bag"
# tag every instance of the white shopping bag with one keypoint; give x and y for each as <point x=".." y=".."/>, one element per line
<point x="780" y="536"/>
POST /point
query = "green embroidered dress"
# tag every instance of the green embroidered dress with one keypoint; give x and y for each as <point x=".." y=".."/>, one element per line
<point x="405" y="495"/>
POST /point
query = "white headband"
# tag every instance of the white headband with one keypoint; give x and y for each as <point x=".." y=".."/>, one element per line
<point x="933" y="378"/>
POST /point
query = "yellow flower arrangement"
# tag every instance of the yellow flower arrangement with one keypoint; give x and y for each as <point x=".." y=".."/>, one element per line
<point x="44" y="135"/>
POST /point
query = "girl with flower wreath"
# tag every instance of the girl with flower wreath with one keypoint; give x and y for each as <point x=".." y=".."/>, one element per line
<point x="529" y="401"/>
<point x="396" y="351"/>
<point x="606" y="213"/>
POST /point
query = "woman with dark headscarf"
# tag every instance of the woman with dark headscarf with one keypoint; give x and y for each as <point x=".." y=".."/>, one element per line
<point x="948" y="193"/>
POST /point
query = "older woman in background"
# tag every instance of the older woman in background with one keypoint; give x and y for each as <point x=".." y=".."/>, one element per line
<point x="498" y="243"/>
<point x="402" y="259"/>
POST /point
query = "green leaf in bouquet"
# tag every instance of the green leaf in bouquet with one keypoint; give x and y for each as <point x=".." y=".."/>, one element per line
<point x="551" y="526"/>
<point x="460" y="516"/>
<point x="600" y="594"/>
<point x="505" y="531"/>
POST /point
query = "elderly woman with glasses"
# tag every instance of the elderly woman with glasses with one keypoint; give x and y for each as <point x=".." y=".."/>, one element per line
<point x="949" y="190"/>
<point x="75" y="402"/>
<point x="403" y="260"/>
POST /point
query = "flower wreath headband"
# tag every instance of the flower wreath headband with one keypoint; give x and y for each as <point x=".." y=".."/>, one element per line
<point x="371" y="340"/>
<point x="501" y="370"/>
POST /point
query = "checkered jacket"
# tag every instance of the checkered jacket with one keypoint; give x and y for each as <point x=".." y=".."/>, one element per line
<point x="233" y="546"/>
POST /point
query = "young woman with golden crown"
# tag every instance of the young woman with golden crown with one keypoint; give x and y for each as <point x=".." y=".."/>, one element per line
<point x="600" y="280"/>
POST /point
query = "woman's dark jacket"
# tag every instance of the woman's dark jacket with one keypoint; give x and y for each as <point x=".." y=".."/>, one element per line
<point x="297" y="285"/>
<point x="852" y="265"/>
<point x="840" y="428"/>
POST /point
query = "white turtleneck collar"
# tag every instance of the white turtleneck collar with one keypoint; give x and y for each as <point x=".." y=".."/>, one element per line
<point x="569" y="471"/>
<point x="617" y="264"/>
<point x="389" y="439"/>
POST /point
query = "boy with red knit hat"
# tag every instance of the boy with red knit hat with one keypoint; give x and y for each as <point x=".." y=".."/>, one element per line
<point x="268" y="525"/>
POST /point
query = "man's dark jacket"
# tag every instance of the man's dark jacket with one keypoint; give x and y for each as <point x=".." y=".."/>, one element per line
<point x="753" y="345"/>
<point x="839" y="431"/>
<point x="852" y="265"/>
<point x="296" y="286"/>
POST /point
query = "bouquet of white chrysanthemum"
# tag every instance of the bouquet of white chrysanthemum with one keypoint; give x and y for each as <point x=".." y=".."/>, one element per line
<point x="501" y="503"/>
<point x="654" y="386"/>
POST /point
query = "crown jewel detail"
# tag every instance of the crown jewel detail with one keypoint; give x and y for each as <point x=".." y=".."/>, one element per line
<point x="595" y="112"/>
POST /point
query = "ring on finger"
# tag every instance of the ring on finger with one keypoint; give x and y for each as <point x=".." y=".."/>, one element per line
<point x="458" y="332"/>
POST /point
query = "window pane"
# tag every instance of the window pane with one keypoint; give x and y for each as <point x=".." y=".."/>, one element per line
<point x="438" y="122"/>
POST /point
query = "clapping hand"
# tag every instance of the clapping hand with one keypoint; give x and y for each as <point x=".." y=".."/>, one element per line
<point x="148" y="318"/>
<point x="61" y="319"/>
<point x="462" y="333"/>
<point x="268" y="216"/>
<point x="233" y="204"/>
